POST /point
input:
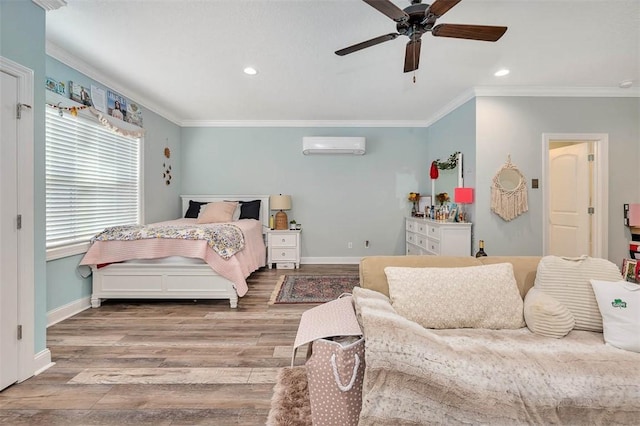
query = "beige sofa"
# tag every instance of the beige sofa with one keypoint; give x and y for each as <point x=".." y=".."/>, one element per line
<point x="414" y="375"/>
<point x="372" y="274"/>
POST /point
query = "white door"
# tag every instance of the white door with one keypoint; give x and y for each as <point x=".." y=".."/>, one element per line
<point x="569" y="189"/>
<point x="8" y="232"/>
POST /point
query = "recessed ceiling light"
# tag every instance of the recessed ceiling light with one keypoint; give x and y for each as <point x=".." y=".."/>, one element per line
<point x="250" y="71"/>
<point x="626" y="84"/>
<point x="502" y="72"/>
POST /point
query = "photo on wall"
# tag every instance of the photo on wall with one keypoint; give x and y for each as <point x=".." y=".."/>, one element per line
<point x="80" y="94"/>
<point x="116" y="105"/>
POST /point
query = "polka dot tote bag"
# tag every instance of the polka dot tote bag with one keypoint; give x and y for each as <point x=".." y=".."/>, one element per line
<point x="335" y="371"/>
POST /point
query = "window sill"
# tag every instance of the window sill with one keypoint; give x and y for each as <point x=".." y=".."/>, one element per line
<point x="66" y="251"/>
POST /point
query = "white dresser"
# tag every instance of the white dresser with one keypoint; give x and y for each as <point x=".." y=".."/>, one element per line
<point x="428" y="237"/>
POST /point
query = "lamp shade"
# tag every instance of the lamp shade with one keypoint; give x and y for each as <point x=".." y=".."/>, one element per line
<point x="463" y="195"/>
<point x="280" y="202"/>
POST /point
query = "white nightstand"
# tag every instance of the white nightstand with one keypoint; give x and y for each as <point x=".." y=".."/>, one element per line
<point x="283" y="247"/>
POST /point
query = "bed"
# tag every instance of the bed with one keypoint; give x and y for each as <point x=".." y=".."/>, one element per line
<point x="179" y="269"/>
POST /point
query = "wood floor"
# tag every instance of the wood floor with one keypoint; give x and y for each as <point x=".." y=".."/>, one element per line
<point x="165" y="362"/>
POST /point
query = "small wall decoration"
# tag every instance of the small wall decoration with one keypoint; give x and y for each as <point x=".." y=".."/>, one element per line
<point x="56" y="86"/>
<point x="451" y="162"/>
<point x="80" y="94"/>
<point x="166" y="175"/>
<point x="509" y="192"/>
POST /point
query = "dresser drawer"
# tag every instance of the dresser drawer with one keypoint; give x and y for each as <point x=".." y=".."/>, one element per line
<point x="433" y="231"/>
<point x="410" y="226"/>
<point x="283" y="254"/>
<point x="411" y="238"/>
<point x="421" y="241"/>
<point x="433" y="246"/>
<point x="421" y="228"/>
<point x="287" y="240"/>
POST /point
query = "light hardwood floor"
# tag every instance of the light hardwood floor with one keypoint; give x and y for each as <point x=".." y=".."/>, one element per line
<point x="165" y="362"/>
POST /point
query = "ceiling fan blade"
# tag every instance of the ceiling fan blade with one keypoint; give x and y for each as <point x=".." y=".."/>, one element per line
<point x="440" y="7"/>
<point x="470" y="32"/>
<point x="365" y="44"/>
<point x="412" y="55"/>
<point x="389" y="9"/>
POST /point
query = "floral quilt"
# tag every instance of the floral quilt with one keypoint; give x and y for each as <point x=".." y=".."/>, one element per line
<point x="225" y="239"/>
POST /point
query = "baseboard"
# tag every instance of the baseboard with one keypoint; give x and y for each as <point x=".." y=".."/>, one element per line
<point x="330" y="260"/>
<point x="68" y="310"/>
<point x="42" y="361"/>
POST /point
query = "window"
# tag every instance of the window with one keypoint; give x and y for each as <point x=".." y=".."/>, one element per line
<point x="92" y="180"/>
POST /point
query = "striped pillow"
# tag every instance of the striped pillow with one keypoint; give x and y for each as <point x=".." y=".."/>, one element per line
<point x="546" y="316"/>
<point x="567" y="281"/>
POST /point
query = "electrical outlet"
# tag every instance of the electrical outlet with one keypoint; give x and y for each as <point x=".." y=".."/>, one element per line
<point x="349" y="244"/>
<point x="366" y="244"/>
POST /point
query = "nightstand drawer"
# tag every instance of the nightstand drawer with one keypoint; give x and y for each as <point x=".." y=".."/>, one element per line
<point x="283" y="254"/>
<point x="287" y="240"/>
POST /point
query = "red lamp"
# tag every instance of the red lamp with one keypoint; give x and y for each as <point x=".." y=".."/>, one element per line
<point x="463" y="196"/>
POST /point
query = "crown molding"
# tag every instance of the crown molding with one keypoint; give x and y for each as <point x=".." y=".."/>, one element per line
<point x="304" y="123"/>
<point x="455" y="103"/>
<point x="551" y="92"/>
<point x="66" y="58"/>
<point x="50" y="4"/>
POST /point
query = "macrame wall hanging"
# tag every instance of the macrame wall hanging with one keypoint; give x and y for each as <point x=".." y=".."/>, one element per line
<point x="509" y="192"/>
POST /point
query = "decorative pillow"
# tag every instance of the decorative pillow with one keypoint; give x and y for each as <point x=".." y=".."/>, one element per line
<point x="546" y="316"/>
<point x="194" y="209"/>
<point x="250" y="209"/>
<point x="567" y="281"/>
<point x="484" y="296"/>
<point x="619" y="304"/>
<point x="221" y="211"/>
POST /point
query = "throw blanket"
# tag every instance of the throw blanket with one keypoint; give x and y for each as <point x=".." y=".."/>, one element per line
<point x="473" y="376"/>
<point x="225" y="239"/>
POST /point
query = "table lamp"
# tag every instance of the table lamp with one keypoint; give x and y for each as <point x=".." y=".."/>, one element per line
<point x="280" y="202"/>
<point x="463" y="196"/>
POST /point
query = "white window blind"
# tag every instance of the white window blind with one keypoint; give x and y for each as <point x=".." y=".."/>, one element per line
<point x="92" y="179"/>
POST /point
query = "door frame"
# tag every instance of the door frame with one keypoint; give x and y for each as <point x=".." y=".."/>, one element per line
<point x="599" y="230"/>
<point x="26" y="258"/>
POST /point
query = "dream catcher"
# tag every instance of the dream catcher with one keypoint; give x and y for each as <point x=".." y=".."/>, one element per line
<point x="509" y="192"/>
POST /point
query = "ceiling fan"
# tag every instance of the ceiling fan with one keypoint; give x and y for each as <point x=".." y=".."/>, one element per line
<point x="417" y="19"/>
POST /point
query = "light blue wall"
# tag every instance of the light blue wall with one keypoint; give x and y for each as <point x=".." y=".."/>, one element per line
<point x="22" y="40"/>
<point x="515" y="125"/>
<point x="337" y="199"/>
<point x="455" y="132"/>
<point x="64" y="283"/>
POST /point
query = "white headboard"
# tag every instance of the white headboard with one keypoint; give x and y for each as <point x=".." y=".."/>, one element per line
<point x="264" y="203"/>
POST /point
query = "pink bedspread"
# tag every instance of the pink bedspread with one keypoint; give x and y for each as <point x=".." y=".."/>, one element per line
<point x="236" y="269"/>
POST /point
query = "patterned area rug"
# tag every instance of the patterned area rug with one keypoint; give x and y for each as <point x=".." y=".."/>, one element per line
<point x="312" y="288"/>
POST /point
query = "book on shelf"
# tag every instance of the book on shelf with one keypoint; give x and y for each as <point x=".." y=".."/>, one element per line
<point x="631" y="270"/>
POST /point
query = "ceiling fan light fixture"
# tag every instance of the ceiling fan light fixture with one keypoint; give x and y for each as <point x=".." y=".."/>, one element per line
<point x="250" y="71"/>
<point x="502" y="72"/>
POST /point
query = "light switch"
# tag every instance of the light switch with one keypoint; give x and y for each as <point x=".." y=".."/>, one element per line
<point x="534" y="183"/>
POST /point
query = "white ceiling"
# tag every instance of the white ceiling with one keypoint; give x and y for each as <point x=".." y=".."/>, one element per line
<point x="184" y="58"/>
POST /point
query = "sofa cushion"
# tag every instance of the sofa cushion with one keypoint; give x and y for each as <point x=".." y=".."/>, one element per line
<point x="567" y="281"/>
<point x="484" y="296"/>
<point x="546" y="316"/>
<point x="372" y="274"/>
<point x="619" y="304"/>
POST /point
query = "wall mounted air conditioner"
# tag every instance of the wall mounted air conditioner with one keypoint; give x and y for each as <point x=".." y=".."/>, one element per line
<point x="333" y="145"/>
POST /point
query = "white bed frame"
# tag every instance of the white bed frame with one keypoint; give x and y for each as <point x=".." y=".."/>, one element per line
<point x="177" y="280"/>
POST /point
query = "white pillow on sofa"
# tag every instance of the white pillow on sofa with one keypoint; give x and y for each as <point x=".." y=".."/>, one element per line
<point x="619" y="304"/>
<point x="546" y="316"/>
<point x="484" y="296"/>
<point x="567" y="281"/>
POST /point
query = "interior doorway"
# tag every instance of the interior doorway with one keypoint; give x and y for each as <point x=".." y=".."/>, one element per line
<point x="575" y="194"/>
<point x="17" y="302"/>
